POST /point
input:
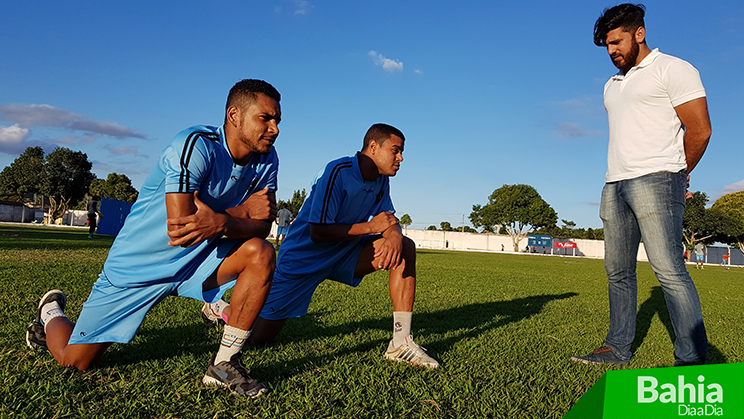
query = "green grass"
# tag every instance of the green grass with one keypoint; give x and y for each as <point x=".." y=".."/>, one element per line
<point x="502" y="327"/>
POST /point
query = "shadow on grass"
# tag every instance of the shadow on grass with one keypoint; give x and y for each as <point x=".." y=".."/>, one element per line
<point x="164" y="343"/>
<point x="34" y="237"/>
<point x="455" y="324"/>
<point x="656" y="304"/>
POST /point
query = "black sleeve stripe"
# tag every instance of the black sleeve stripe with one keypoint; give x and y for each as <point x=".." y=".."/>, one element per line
<point x="188" y="149"/>
<point x="329" y="188"/>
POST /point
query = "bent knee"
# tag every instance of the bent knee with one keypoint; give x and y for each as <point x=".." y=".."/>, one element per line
<point x="80" y="365"/>
<point x="81" y="360"/>
<point x="409" y="248"/>
<point x="258" y="252"/>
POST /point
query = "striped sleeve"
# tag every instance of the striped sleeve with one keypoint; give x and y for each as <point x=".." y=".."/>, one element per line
<point x="186" y="160"/>
<point x="328" y="192"/>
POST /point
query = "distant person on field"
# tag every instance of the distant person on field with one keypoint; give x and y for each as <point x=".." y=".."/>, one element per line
<point x="345" y="230"/>
<point x="92" y="207"/>
<point x="700" y="253"/>
<point x="724" y="259"/>
<point x="283" y="219"/>
<point x="659" y="130"/>
<point x="209" y="183"/>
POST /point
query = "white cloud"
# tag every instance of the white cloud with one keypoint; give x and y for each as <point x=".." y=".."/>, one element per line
<point x="734" y="187"/>
<point x="574" y="130"/>
<point x="419" y="72"/>
<point x="302" y="7"/>
<point x="13" y="134"/>
<point x="50" y="116"/>
<point x="386" y="63"/>
<point x="121" y="151"/>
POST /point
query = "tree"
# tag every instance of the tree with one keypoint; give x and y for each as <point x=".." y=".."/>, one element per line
<point x="518" y="208"/>
<point x="66" y="178"/>
<point x="698" y="223"/>
<point x="446" y="226"/>
<point x="405" y="221"/>
<point x="432" y="228"/>
<point x="23" y="176"/>
<point x="729" y="210"/>
<point x="593" y="234"/>
<point x="294" y="204"/>
<point x="568" y="229"/>
<point x="115" y="186"/>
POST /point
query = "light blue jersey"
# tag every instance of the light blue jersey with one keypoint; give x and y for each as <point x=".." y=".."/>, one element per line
<point x="197" y="159"/>
<point x="339" y="195"/>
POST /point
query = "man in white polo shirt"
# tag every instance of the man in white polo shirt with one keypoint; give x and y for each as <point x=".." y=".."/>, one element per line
<point x="659" y="130"/>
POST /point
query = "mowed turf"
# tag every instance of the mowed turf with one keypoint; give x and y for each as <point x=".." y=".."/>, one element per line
<point x="502" y="326"/>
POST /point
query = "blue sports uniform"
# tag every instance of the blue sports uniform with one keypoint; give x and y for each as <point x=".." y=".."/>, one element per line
<point x="339" y="195"/>
<point x="141" y="268"/>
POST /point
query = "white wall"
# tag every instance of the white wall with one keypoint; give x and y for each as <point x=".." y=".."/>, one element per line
<point x="16" y="213"/>
<point x="455" y="240"/>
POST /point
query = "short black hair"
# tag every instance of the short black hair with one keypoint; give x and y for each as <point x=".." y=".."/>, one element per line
<point x="380" y="133"/>
<point x="244" y="92"/>
<point x="627" y="16"/>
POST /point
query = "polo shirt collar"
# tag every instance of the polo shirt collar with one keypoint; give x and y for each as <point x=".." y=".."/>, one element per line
<point x="650" y="58"/>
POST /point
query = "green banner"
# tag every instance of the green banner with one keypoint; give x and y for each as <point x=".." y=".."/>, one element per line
<point x="710" y="391"/>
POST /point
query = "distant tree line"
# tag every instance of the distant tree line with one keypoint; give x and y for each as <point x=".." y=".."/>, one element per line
<point x="519" y="210"/>
<point x="63" y="177"/>
<point x="294" y="204"/>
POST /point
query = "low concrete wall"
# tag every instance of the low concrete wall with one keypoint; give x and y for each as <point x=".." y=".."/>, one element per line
<point x="19" y="213"/>
<point x="15" y="212"/>
<point x="455" y="240"/>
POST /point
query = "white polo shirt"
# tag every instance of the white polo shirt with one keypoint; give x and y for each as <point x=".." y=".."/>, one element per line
<point x="646" y="135"/>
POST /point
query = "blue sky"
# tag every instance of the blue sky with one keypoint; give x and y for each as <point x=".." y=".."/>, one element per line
<point x="487" y="93"/>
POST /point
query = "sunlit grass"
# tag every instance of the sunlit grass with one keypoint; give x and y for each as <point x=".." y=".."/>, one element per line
<point x="502" y="326"/>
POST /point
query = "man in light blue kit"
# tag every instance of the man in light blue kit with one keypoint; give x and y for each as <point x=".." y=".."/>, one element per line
<point x="209" y="182"/>
<point x="345" y="230"/>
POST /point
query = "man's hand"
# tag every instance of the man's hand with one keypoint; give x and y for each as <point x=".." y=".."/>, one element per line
<point x="382" y="221"/>
<point x="389" y="254"/>
<point x="193" y="229"/>
<point x="258" y="206"/>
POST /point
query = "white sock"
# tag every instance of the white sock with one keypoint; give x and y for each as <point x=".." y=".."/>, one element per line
<point x="218" y="307"/>
<point x="50" y="311"/>
<point x="232" y="341"/>
<point x="401" y="327"/>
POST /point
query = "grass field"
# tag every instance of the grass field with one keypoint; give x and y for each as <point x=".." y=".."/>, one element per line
<point x="502" y="326"/>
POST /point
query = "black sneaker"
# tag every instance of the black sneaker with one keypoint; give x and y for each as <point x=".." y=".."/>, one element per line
<point x="209" y="318"/>
<point x="234" y="376"/>
<point x="35" y="335"/>
<point x="603" y="355"/>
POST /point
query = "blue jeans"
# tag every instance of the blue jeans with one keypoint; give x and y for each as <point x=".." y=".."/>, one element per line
<point x="650" y="207"/>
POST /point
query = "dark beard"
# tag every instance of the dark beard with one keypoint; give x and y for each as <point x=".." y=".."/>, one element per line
<point x="629" y="59"/>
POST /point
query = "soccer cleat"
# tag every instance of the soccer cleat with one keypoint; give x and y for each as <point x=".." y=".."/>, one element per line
<point x="603" y="355"/>
<point x="412" y="353"/>
<point x="35" y="335"/>
<point x="209" y="318"/>
<point x="233" y="376"/>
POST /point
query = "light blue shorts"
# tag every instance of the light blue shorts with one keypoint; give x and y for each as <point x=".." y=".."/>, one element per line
<point x="282" y="231"/>
<point x="114" y="314"/>
<point x="699" y="257"/>
<point x="290" y="298"/>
